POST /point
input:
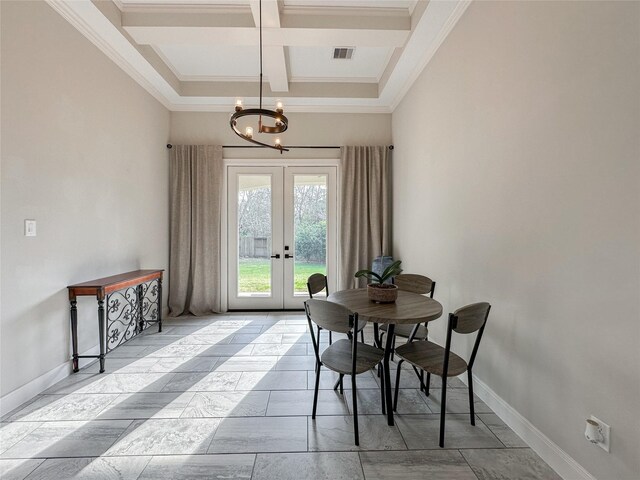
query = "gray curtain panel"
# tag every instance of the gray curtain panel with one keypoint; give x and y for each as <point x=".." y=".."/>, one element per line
<point x="365" y="205"/>
<point x="195" y="219"/>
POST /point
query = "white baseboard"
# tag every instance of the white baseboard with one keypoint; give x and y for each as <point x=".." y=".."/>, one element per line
<point x="552" y="454"/>
<point x="38" y="385"/>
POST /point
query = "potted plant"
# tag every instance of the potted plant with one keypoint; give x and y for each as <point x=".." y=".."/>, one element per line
<point x="377" y="290"/>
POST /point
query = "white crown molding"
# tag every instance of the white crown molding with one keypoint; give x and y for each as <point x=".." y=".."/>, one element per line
<point x="435" y="13"/>
<point x="371" y="11"/>
<point x="559" y="460"/>
<point x="182" y="8"/>
<point x="296" y="79"/>
<point x="89" y="21"/>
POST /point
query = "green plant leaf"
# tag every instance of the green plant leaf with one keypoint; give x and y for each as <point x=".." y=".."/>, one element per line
<point x="369" y="274"/>
<point x="391" y="271"/>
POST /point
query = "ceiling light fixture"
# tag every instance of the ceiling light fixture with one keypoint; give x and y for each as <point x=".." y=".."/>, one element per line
<point x="280" y="125"/>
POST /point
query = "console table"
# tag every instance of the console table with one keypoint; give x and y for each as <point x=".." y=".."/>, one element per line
<point x="133" y="303"/>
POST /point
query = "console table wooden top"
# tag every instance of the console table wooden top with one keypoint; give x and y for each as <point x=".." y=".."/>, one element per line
<point x="103" y="286"/>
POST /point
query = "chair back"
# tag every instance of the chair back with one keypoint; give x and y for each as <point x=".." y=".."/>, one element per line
<point x="467" y="319"/>
<point x="330" y="316"/>
<point x="410" y="282"/>
<point x="316" y="283"/>
<point x="471" y="318"/>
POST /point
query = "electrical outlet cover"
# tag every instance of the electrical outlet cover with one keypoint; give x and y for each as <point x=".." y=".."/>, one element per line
<point x="606" y="433"/>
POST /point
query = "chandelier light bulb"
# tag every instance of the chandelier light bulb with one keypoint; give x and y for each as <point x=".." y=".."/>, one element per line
<point x="277" y="142"/>
<point x="279" y="107"/>
<point x="238" y="105"/>
<point x="248" y="132"/>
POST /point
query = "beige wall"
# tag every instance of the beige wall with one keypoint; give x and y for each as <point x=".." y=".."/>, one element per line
<point x="83" y="154"/>
<point x="304" y="129"/>
<point x="517" y="175"/>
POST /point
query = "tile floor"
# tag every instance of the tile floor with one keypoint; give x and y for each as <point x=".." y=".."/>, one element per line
<point x="229" y="396"/>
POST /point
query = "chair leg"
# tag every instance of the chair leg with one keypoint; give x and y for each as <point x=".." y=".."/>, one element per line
<point x="382" y="401"/>
<point x="395" y="393"/>
<point x="471" y="408"/>
<point x="443" y="409"/>
<point x="427" y="385"/>
<point x="362" y="335"/>
<point x="355" y="409"/>
<point x="315" y="392"/>
<point x="393" y="349"/>
<point x="422" y="387"/>
<point x="339" y="384"/>
<point x="330" y="338"/>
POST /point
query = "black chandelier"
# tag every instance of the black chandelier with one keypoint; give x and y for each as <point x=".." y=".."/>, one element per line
<point x="280" y="125"/>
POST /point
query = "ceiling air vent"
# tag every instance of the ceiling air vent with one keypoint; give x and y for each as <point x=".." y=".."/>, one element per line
<point x="343" y="53"/>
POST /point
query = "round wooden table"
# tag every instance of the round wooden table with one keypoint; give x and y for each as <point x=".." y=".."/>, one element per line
<point x="409" y="308"/>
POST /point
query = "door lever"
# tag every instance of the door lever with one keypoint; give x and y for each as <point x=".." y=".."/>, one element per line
<point x="277" y="255"/>
<point x="286" y="255"/>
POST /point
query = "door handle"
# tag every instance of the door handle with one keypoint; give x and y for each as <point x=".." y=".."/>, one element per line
<point x="286" y="255"/>
<point x="277" y="255"/>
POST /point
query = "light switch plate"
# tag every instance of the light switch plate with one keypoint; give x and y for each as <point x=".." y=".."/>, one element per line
<point x="29" y="228"/>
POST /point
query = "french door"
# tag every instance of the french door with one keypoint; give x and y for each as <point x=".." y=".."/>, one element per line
<point x="281" y="229"/>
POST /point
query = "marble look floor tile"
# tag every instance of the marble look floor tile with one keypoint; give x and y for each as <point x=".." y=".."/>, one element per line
<point x="230" y="330"/>
<point x="282" y="327"/>
<point x="17" y="469"/>
<point x="127" y="383"/>
<point x="179" y="351"/>
<point x="101" y="468"/>
<point x="335" y="433"/>
<point x="12" y="433"/>
<point x="183" y="364"/>
<point x="520" y="463"/>
<point x="296" y="362"/>
<point x="369" y="401"/>
<point x="299" y="338"/>
<point x="457" y="401"/>
<point x="182" y="330"/>
<point x="227" y="404"/>
<point x="256" y="338"/>
<point x="205" y="339"/>
<point x="260" y="434"/>
<point x="300" y="402"/>
<point x="75" y="406"/>
<point x="501" y="430"/>
<point x="416" y="465"/>
<point x="147" y="405"/>
<point x="68" y="439"/>
<point x="234" y="350"/>
<point x="74" y="382"/>
<point x="317" y="466"/>
<point x="273" y="381"/>
<point x="123" y="365"/>
<point x="182" y="436"/>
<point x="422" y="432"/>
<point x="290" y="349"/>
<point x="203" y="382"/>
<point x="199" y="467"/>
<point x="328" y="379"/>
<point x="246" y="364"/>
<point x="154" y="339"/>
<point x="127" y="351"/>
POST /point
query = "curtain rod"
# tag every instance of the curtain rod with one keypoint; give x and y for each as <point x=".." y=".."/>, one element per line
<point x="293" y="146"/>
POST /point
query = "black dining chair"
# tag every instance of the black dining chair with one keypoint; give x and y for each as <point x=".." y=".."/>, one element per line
<point x="434" y="359"/>
<point x="316" y="283"/>
<point x="346" y="356"/>
<point x="410" y="282"/>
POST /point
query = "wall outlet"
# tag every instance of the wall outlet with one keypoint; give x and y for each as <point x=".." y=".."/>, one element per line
<point x="29" y="228"/>
<point x="605" y="430"/>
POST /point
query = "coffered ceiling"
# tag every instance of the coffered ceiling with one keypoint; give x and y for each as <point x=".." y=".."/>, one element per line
<point x="202" y="55"/>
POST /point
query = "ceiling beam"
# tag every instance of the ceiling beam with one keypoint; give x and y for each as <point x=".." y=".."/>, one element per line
<point x="274" y="63"/>
<point x="245" y="90"/>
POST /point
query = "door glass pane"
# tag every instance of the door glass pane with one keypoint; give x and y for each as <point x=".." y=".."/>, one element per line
<point x="254" y="235"/>
<point x="310" y="228"/>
